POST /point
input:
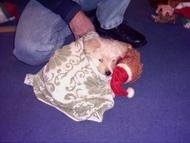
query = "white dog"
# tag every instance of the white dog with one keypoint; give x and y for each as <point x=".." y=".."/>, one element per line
<point x="104" y="53"/>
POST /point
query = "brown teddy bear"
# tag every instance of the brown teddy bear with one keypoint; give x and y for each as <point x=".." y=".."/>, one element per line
<point x="127" y="70"/>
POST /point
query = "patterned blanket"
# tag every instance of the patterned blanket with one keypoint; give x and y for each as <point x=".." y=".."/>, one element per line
<point x="70" y="83"/>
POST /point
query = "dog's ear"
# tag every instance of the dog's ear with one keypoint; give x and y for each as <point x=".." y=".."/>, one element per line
<point x="91" y="45"/>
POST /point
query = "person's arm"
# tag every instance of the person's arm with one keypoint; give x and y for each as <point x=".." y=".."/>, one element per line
<point x="81" y="25"/>
<point x="72" y="14"/>
<point x="67" y="9"/>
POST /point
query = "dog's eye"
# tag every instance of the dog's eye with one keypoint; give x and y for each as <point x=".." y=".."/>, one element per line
<point x="114" y="60"/>
<point x="100" y="60"/>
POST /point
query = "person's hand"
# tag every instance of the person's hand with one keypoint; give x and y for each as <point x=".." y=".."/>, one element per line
<point x="165" y="9"/>
<point x="81" y="25"/>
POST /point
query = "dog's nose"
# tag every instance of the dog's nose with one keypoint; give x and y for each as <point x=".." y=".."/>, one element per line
<point x="108" y="73"/>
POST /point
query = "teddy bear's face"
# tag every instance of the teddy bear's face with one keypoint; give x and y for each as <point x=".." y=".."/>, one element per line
<point x="164" y="19"/>
<point x="133" y="61"/>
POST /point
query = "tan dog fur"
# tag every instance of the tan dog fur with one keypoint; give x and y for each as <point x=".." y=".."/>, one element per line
<point x="105" y="53"/>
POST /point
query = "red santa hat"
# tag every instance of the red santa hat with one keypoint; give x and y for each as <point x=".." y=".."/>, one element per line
<point x="183" y="11"/>
<point x="122" y="74"/>
<point x="12" y="9"/>
<point x="183" y="8"/>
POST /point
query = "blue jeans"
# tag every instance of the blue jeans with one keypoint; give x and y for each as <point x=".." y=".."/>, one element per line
<point x="40" y="31"/>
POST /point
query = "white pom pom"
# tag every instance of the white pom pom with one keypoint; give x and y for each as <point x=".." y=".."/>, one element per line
<point x="131" y="92"/>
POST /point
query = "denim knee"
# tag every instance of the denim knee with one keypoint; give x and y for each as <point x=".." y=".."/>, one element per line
<point x="30" y="54"/>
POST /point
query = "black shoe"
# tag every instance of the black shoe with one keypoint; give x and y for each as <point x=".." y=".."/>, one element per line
<point x="124" y="33"/>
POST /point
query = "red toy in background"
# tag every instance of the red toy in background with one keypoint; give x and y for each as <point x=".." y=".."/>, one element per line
<point x="181" y="9"/>
<point x="8" y="11"/>
<point x="184" y="12"/>
<point x="127" y="70"/>
<point x="12" y="9"/>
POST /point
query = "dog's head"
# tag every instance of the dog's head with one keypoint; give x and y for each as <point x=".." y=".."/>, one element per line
<point x="104" y="53"/>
